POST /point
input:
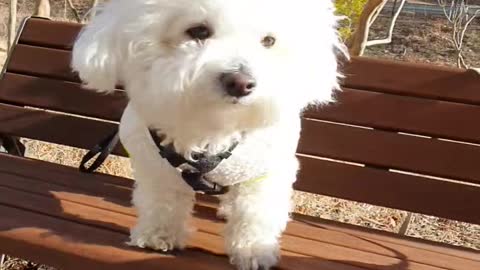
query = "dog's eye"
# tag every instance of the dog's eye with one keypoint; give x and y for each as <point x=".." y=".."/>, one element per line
<point x="200" y="32"/>
<point x="268" y="41"/>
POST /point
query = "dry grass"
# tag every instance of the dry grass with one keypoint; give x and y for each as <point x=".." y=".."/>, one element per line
<point x="381" y="218"/>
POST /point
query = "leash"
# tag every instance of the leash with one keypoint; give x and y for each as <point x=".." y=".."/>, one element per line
<point x="192" y="171"/>
<point x="104" y="148"/>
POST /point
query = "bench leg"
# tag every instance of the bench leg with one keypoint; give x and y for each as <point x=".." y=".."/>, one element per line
<point x="12" y="145"/>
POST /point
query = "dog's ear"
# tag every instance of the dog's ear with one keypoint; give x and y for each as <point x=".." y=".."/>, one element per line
<point x="97" y="52"/>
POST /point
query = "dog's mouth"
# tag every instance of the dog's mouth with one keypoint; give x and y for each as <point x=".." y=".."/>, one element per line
<point x="237" y="100"/>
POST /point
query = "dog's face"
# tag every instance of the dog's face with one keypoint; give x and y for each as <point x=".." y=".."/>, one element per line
<point x="217" y="65"/>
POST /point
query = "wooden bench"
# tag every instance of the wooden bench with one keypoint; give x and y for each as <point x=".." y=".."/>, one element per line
<point x="58" y="216"/>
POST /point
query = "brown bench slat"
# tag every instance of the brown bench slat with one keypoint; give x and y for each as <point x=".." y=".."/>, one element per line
<point x="433" y="118"/>
<point x="104" y="202"/>
<point x="382" y="242"/>
<point x="410" y="79"/>
<point x="336" y="178"/>
<point x="53" y="127"/>
<point x="118" y="198"/>
<point x="439" y="158"/>
<point x="363" y="73"/>
<point x="425" y="195"/>
<point x="295" y="228"/>
<point x="46" y="33"/>
<point x="69" y="245"/>
<point x="18" y="121"/>
<point x="391" y="150"/>
<point x="426" y="117"/>
<point x="61" y="96"/>
<point x="394" y="190"/>
<point x="41" y="62"/>
<point x="60" y="174"/>
<point x="19" y="179"/>
<point x="112" y="221"/>
<point x="64" y="253"/>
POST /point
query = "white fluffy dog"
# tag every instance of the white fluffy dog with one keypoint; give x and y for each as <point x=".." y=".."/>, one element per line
<point x="206" y="74"/>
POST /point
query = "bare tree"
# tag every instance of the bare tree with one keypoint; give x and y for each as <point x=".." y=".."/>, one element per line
<point x="93" y="10"/>
<point x="459" y="16"/>
<point x="12" y="22"/>
<point x="388" y="39"/>
<point x="74" y="11"/>
<point x="370" y="13"/>
<point x="359" y="39"/>
<point x="42" y="8"/>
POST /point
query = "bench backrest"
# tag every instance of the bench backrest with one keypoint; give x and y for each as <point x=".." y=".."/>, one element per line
<point x="401" y="135"/>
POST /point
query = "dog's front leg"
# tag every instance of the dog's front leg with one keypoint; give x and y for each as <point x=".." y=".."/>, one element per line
<point x="257" y="217"/>
<point x="164" y="208"/>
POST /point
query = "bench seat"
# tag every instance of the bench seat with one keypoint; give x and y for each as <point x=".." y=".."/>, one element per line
<point x="61" y="217"/>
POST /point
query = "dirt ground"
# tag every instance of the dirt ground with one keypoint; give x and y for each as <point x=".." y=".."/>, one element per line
<point x="424" y="40"/>
<point x="415" y="41"/>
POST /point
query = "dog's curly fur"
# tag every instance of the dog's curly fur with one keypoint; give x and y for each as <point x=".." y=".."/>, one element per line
<point x="172" y="83"/>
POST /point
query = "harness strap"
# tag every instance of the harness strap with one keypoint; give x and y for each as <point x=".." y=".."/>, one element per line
<point x="105" y="147"/>
<point x="200" y="165"/>
<point x="193" y="174"/>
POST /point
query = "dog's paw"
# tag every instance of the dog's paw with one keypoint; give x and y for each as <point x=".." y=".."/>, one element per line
<point x="255" y="257"/>
<point x="156" y="241"/>
<point x="224" y="211"/>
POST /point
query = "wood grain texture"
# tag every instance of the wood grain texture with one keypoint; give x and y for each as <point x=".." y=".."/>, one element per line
<point x="51" y="34"/>
<point x="434" y="118"/>
<point x="390" y="150"/>
<point x="61" y="96"/>
<point x="68" y="213"/>
<point x="413" y="79"/>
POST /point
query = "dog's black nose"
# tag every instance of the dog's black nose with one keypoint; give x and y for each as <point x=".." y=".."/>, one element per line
<point x="238" y="84"/>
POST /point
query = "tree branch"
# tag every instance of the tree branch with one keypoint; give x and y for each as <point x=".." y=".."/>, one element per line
<point x="377" y="12"/>
<point x="388" y="39"/>
<point x="75" y="11"/>
<point x="42" y="8"/>
<point x="12" y="21"/>
<point x="360" y="37"/>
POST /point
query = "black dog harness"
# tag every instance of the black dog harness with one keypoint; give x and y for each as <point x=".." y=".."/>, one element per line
<point x="192" y="171"/>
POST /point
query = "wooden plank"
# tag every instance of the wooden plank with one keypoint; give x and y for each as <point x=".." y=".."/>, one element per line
<point x="70" y="130"/>
<point x="42" y="62"/>
<point x="104" y="201"/>
<point x="66" y="190"/>
<point x="209" y="242"/>
<point x="344" y="253"/>
<point x="61" y="96"/>
<point x="362" y="73"/>
<point x="59" y="174"/>
<point x="69" y="245"/>
<point x="394" y="190"/>
<point x="84" y="246"/>
<point x="54" y="127"/>
<point x="420" y="80"/>
<point x="388" y="189"/>
<point x="399" y="113"/>
<point x="47" y="33"/>
<point x="381" y="242"/>
<point x="391" y="150"/>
